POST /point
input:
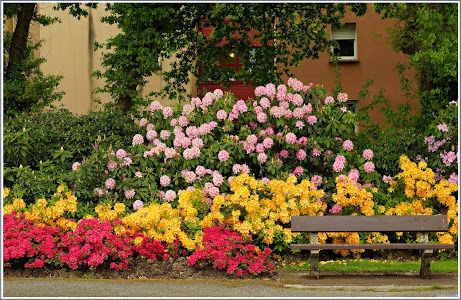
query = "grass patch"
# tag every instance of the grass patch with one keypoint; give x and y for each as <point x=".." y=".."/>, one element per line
<point x="373" y="265"/>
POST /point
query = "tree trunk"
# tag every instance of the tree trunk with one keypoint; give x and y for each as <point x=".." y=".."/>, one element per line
<point x="19" y="38"/>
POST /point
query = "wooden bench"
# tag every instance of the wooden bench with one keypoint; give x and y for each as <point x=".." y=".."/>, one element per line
<point x="422" y="224"/>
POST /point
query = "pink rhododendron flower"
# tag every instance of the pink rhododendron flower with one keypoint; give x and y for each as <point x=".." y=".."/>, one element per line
<point x="129" y="194"/>
<point x="354" y="175"/>
<point x="218" y="179"/>
<point x="155" y="105"/>
<point x="298" y="171"/>
<point x="138" y="140"/>
<point x="259" y="91"/>
<point x="218" y="93"/>
<point x="338" y="165"/>
<point x="221" y="114"/>
<point x="276" y="112"/>
<point x="367" y="154"/>
<point x="264" y="102"/>
<point x="387" y="179"/>
<point x="110" y="183"/>
<point x="298" y="113"/>
<point x="183" y="121"/>
<point x="301" y="154"/>
<point x="174" y="122"/>
<point x="188" y="176"/>
<point x="268" y="143"/>
<point x="329" y="100"/>
<point x="126" y="161"/>
<point x="317" y="180"/>
<point x="271" y="90"/>
<point x="164" y="180"/>
<point x="343" y="109"/>
<point x="223" y="155"/>
<point x="291" y="138"/>
<point x="316" y="152"/>
<point x="150" y="127"/>
<point x="138" y="174"/>
<point x="295" y="84"/>
<point x="165" y="134"/>
<point x="453" y="178"/>
<point x="342" y="97"/>
<point x="138" y="204"/>
<point x="187" y="109"/>
<point x="245" y="169"/>
<point x="369" y="167"/>
<point x="299" y="124"/>
<point x="261" y="117"/>
<point x="151" y="134"/>
<point x="262" y="157"/>
<point x="448" y="157"/>
<point x="312" y="120"/>
<point x="143" y="122"/>
<point x="348" y="145"/>
<point x="443" y="127"/>
<point x="120" y="153"/>
<point x="170" y="195"/>
<point x="265" y="180"/>
<point x="170" y="152"/>
<point x="284" y="153"/>
<point x="100" y="192"/>
<point x="200" y="171"/>
<point x="191" y="153"/>
<point x="336" y="209"/>
<point x="252" y="139"/>
<point x="197" y="142"/>
<point x="167" y="112"/>
<point x="75" y="166"/>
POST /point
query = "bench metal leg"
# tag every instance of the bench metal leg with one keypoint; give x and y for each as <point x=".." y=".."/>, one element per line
<point x="314" y="271"/>
<point x="426" y="256"/>
<point x="425" y="271"/>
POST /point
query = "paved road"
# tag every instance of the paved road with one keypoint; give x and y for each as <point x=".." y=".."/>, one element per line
<point x="444" y="286"/>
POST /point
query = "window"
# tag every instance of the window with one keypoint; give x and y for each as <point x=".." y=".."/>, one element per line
<point x="346" y="39"/>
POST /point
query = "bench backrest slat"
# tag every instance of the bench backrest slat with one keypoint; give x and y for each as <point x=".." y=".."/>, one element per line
<point x="369" y="223"/>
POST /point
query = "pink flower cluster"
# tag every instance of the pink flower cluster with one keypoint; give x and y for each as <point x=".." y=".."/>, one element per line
<point x="338" y="165"/>
<point x="226" y="249"/>
<point x="367" y="154"/>
<point x="348" y="145"/>
<point x="448" y="157"/>
<point x="223" y="155"/>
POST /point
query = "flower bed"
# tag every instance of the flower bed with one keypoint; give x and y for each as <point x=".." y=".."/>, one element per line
<point x="217" y="181"/>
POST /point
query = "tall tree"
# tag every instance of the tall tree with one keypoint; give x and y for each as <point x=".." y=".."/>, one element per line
<point x="428" y="34"/>
<point x="25" y="86"/>
<point x="268" y="37"/>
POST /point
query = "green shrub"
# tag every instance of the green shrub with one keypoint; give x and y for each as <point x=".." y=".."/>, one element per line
<point x="39" y="148"/>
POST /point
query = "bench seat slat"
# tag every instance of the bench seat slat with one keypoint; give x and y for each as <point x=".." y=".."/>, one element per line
<point x="421" y="223"/>
<point x="370" y="246"/>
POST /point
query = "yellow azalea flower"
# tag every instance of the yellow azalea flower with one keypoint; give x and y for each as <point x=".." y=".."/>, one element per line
<point x="19" y="204"/>
<point x="6" y="192"/>
<point x="119" y="208"/>
<point x="138" y="240"/>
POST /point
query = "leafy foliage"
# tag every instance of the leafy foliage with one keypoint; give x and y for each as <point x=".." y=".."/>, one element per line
<point x="25" y="86"/>
<point x="428" y="33"/>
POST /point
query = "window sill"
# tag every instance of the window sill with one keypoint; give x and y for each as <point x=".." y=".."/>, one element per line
<point x="346" y="60"/>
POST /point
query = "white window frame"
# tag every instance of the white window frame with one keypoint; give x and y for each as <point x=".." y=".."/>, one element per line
<point x="347" y="32"/>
